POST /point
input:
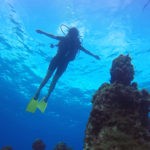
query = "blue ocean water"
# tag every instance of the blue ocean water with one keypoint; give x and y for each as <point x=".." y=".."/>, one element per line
<point x="108" y="29"/>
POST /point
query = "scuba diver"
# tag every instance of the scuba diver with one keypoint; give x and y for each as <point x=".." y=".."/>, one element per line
<point x="68" y="47"/>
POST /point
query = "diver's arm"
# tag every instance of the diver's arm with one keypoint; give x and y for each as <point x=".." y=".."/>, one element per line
<point x="49" y="35"/>
<point x="89" y="53"/>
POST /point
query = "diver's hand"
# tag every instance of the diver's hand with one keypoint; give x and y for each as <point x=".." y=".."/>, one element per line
<point x="39" y="31"/>
<point x="97" y="57"/>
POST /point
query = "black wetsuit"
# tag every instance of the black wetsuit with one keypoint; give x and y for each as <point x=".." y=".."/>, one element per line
<point x="67" y="50"/>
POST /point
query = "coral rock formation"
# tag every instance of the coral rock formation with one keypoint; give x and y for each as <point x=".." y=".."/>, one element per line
<point x="38" y="145"/>
<point x="122" y="70"/>
<point x="62" y="146"/>
<point x="119" y="117"/>
<point x="7" y="148"/>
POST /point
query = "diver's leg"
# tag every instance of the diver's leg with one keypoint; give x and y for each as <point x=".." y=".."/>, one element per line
<point x="45" y="80"/>
<point x="33" y="102"/>
<point x="52" y="86"/>
<point x="42" y="105"/>
<point x="58" y="74"/>
<point x="49" y="73"/>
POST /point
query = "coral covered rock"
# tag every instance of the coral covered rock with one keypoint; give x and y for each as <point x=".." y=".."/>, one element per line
<point x="7" y="148"/>
<point x="38" y="145"/>
<point x="62" y="146"/>
<point x="119" y="118"/>
<point x="122" y="70"/>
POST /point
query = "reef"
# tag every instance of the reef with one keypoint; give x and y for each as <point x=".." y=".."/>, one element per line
<point x="38" y="144"/>
<point x="7" y="148"/>
<point x="119" y="118"/>
<point x="62" y="146"/>
<point x="122" y="70"/>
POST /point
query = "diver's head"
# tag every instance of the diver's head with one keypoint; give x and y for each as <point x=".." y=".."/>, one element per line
<point x="73" y="32"/>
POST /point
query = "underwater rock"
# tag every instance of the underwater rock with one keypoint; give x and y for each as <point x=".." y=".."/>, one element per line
<point x="7" y="148"/>
<point x="122" y="70"/>
<point x="62" y="146"/>
<point x="38" y="145"/>
<point x="119" y="117"/>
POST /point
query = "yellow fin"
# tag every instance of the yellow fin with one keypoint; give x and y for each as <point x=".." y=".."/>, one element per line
<point x="32" y="105"/>
<point x="42" y="105"/>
